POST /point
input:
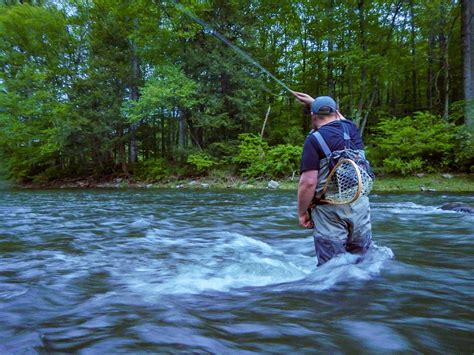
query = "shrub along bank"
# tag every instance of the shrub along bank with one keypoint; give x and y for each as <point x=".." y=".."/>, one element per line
<point x="420" y="143"/>
<point x="407" y="146"/>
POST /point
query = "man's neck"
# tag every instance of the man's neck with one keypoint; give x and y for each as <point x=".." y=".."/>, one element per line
<point x="321" y="123"/>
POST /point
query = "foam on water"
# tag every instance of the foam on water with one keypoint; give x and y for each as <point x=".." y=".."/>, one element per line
<point x="343" y="268"/>
<point x="218" y="262"/>
<point x="411" y="207"/>
<point x="140" y="223"/>
<point x="226" y="261"/>
<point x="204" y="276"/>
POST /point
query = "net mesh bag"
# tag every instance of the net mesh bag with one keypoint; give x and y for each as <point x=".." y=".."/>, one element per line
<point x="367" y="182"/>
<point x="344" y="183"/>
<point x="344" y="187"/>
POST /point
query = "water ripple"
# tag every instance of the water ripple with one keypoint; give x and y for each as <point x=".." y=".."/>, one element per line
<point x="229" y="271"/>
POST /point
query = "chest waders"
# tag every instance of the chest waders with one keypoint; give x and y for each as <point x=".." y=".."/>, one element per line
<point x="340" y="228"/>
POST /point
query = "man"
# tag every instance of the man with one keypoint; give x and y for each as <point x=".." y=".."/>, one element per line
<point x="337" y="228"/>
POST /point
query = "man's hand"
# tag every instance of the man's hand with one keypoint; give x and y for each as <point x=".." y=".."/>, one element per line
<point x="340" y="116"/>
<point x="305" y="99"/>
<point x="306" y="221"/>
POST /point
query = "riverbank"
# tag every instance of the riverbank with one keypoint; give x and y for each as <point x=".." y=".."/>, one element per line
<point x="424" y="183"/>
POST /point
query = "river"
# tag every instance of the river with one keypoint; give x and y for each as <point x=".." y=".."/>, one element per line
<point x="144" y="271"/>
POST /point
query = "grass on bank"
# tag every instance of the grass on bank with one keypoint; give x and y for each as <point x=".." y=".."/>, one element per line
<point x="451" y="183"/>
<point x="423" y="183"/>
<point x="447" y="183"/>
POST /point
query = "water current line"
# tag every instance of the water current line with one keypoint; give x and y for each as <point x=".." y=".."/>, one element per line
<point x="230" y="44"/>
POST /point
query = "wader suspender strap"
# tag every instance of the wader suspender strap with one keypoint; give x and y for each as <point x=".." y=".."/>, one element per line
<point x="347" y="137"/>
<point x="322" y="144"/>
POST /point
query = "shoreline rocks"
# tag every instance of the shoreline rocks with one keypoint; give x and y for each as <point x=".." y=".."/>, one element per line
<point x="272" y="184"/>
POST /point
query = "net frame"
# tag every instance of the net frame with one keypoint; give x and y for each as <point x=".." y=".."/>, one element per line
<point x="341" y="188"/>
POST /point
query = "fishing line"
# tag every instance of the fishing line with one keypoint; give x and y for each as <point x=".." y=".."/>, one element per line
<point x="230" y="44"/>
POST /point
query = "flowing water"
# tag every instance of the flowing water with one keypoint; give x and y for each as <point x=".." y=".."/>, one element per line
<point x="227" y="272"/>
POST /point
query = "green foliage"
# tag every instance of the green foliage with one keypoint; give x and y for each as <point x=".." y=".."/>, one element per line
<point x="422" y="142"/>
<point x="464" y="151"/>
<point x="49" y="174"/>
<point x="257" y="159"/>
<point x="168" y="88"/>
<point x="86" y="84"/>
<point x="200" y="161"/>
<point x="223" y="150"/>
<point x="456" y="114"/>
<point x="33" y="71"/>
<point x="283" y="160"/>
<point x="294" y="136"/>
<point x="151" y="170"/>
<point x="222" y="174"/>
<point x="397" y="166"/>
<point x="252" y="155"/>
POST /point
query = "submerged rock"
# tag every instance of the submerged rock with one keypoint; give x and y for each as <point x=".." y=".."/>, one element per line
<point x="458" y="207"/>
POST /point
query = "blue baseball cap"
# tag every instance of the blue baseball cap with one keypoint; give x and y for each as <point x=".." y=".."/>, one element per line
<point x="323" y="105"/>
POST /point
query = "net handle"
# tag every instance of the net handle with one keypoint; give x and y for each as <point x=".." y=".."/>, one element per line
<point x="328" y="180"/>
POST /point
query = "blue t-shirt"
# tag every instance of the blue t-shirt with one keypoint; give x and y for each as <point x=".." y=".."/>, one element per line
<point x="333" y="134"/>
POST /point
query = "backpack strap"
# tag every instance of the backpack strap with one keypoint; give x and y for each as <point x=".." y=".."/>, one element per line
<point x="347" y="136"/>
<point x="322" y="144"/>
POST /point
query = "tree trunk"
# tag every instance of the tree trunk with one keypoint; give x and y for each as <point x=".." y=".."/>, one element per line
<point x="319" y="72"/>
<point x="431" y="75"/>
<point x="444" y="44"/>
<point x="369" y="108"/>
<point x="363" y="44"/>
<point x="413" y="57"/>
<point x="383" y="52"/>
<point x="194" y="132"/>
<point x="163" y="137"/>
<point x="134" y="95"/>
<point x="304" y="50"/>
<point x="351" y="96"/>
<point x="467" y="43"/>
<point x="446" y="82"/>
<point x="330" y="81"/>
<point x="265" y="121"/>
<point x="182" y="128"/>
<point x="122" y="155"/>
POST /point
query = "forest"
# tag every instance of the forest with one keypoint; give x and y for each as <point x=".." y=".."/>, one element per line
<point x="146" y="90"/>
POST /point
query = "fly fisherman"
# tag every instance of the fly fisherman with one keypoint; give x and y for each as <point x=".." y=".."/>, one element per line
<point x="337" y="228"/>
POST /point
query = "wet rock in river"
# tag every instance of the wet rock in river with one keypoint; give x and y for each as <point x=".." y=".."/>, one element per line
<point x="458" y="207"/>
